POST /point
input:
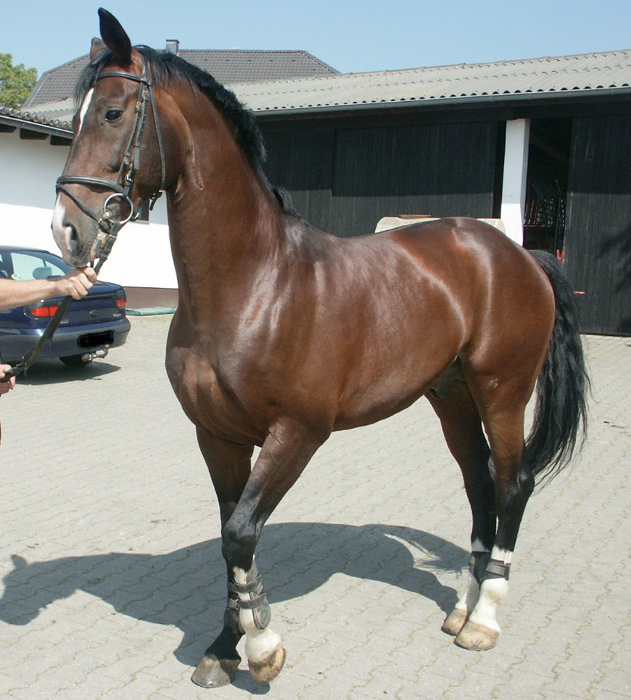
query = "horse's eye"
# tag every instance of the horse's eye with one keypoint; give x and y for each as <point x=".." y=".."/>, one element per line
<point x="113" y="115"/>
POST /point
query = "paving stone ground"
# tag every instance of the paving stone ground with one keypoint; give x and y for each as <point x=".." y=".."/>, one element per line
<point x="113" y="583"/>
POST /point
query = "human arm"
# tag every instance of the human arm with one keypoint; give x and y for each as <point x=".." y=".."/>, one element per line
<point x="75" y="283"/>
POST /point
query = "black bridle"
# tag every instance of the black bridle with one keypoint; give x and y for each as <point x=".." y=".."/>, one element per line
<point x="107" y="224"/>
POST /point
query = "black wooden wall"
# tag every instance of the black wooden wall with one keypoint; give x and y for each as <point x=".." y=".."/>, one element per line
<point x="344" y="178"/>
<point x="346" y="173"/>
<point x="598" y="222"/>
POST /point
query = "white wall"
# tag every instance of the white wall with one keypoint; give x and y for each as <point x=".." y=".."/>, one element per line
<point x="28" y="170"/>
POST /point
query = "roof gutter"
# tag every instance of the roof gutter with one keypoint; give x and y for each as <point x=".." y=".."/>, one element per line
<point x="465" y="100"/>
<point x="24" y="123"/>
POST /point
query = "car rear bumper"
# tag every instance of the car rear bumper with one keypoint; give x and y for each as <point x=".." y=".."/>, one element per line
<point x="65" y="342"/>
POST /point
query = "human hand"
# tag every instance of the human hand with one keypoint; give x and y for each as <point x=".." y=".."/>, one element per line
<point x="5" y="387"/>
<point x="77" y="282"/>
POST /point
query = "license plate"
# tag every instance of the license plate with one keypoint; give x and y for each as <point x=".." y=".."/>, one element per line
<point x="95" y="340"/>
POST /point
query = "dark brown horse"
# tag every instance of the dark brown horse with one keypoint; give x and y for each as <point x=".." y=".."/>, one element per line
<point x="283" y="333"/>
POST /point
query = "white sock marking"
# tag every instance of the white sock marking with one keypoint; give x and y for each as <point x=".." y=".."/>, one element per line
<point x="492" y="593"/>
<point x="469" y="598"/>
<point x="504" y="555"/>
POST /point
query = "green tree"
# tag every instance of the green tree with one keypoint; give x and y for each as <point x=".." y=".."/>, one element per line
<point x="16" y="82"/>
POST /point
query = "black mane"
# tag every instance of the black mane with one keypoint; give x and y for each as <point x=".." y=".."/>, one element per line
<point x="165" y="68"/>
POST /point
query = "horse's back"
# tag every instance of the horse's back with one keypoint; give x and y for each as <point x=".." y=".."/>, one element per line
<point x="479" y="263"/>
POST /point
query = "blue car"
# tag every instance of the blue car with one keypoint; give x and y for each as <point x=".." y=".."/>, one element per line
<point x="90" y="327"/>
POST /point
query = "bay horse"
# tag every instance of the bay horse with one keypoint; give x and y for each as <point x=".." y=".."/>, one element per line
<point x="284" y="333"/>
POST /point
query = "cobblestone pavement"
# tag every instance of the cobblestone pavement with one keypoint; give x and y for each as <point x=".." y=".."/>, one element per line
<point x="113" y="582"/>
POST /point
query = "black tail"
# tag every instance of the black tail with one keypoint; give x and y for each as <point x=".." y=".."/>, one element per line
<point x="560" y="419"/>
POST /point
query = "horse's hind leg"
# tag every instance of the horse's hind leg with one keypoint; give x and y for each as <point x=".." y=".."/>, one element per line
<point x="462" y="428"/>
<point x="504" y="422"/>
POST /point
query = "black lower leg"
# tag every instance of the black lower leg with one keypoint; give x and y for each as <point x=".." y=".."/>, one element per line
<point x="221" y="660"/>
<point x="225" y="646"/>
<point x="481" y="494"/>
<point x="511" y="504"/>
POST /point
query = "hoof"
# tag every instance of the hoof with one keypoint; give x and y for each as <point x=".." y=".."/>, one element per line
<point x="454" y="622"/>
<point x="213" y="672"/>
<point x="476" y="637"/>
<point x="266" y="670"/>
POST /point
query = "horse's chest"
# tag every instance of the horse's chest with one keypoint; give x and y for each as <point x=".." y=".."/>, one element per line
<point x="207" y="399"/>
<point x="195" y="382"/>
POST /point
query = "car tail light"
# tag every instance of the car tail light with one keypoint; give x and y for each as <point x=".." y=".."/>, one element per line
<point x="121" y="300"/>
<point x="42" y="310"/>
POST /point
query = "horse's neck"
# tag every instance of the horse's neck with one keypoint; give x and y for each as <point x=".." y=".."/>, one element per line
<point x="225" y="224"/>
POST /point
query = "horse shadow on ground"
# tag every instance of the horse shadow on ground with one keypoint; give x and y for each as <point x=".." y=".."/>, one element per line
<point x="186" y="588"/>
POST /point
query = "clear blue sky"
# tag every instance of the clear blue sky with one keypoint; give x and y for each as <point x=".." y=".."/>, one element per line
<point x="350" y="35"/>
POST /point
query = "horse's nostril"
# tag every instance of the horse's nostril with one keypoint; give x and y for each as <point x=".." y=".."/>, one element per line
<point x="73" y="236"/>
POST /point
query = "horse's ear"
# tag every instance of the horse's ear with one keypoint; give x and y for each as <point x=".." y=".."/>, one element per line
<point x="96" y="49"/>
<point x="115" y="37"/>
<point x="18" y="561"/>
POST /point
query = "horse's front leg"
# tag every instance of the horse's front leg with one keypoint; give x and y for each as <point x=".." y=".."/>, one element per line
<point x="286" y="451"/>
<point x="229" y="467"/>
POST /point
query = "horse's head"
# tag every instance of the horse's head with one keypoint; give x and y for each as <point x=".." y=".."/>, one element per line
<point x="20" y="608"/>
<point x="121" y="147"/>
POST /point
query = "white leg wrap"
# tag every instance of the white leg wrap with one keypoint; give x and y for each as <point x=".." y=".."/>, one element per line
<point x="260" y="643"/>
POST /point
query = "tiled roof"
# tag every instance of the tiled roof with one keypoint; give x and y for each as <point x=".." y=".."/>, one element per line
<point x="54" y="118"/>
<point x="232" y="66"/>
<point x="236" y="66"/>
<point x="583" y="74"/>
<point x="56" y="84"/>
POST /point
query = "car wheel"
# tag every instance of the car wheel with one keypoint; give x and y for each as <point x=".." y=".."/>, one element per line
<point x="77" y="360"/>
